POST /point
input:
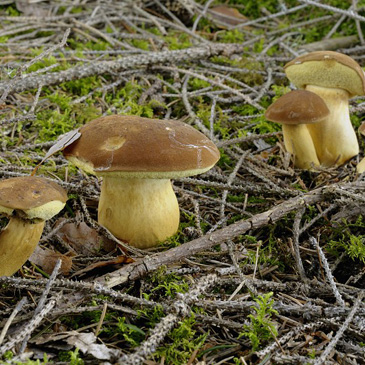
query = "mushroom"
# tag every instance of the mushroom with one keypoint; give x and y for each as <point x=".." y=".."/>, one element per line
<point x="336" y="78"/>
<point x="137" y="157"/>
<point x="295" y="111"/>
<point x="27" y="201"/>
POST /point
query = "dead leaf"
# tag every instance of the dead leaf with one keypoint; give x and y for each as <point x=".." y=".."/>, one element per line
<point x="83" y="239"/>
<point x="47" y="260"/>
<point x="52" y="337"/>
<point x="115" y="261"/>
<point x="227" y="16"/>
<point x="62" y="142"/>
<point x="86" y="342"/>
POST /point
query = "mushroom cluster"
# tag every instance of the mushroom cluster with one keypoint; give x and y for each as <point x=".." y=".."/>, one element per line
<point x="136" y="158"/>
<point x="335" y="78"/>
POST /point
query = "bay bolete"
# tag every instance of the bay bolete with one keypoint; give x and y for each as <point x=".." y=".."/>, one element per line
<point x="137" y="157"/>
<point x="28" y="202"/>
<point x="295" y="111"/>
<point x="336" y="78"/>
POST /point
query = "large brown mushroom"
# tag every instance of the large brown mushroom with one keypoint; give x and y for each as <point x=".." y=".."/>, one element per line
<point x="296" y="110"/>
<point x="137" y="157"/>
<point x="336" y="78"/>
<point x="28" y="202"/>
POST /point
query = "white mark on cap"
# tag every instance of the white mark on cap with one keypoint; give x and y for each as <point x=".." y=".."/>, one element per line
<point x="113" y="143"/>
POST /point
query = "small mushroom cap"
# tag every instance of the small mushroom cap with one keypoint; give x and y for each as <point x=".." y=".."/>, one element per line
<point x="136" y="147"/>
<point x="31" y="197"/>
<point x="297" y="107"/>
<point x="327" y="69"/>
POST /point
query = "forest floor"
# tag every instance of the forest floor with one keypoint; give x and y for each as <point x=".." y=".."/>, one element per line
<point x="268" y="264"/>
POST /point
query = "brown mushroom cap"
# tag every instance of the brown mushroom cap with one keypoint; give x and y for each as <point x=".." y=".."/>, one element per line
<point x="297" y="107"/>
<point x="327" y="69"/>
<point x="136" y="147"/>
<point x="33" y="197"/>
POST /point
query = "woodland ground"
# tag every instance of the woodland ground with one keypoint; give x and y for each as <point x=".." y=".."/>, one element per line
<point x="268" y="263"/>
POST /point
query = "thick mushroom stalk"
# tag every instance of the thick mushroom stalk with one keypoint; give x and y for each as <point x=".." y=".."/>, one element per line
<point x="299" y="143"/>
<point x="139" y="211"/>
<point x="17" y="242"/>
<point x="334" y="137"/>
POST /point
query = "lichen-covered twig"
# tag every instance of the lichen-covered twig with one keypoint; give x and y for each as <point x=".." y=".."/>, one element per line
<point x="327" y="269"/>
<point x="180" y="309"/>
<point x="125" y="63"/>
<point x="151" y="263"/>
<point x="341" y="331"/>
<point x="42" y="300"/>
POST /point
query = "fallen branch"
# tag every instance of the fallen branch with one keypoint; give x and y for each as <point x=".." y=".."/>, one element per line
<point x="150" y="263"/>
<point x="121" y="64"/>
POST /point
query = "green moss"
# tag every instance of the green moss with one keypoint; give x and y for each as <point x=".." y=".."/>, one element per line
<point x="181" y="343"/>
<point x="82" y="86"/>
<point x="262" y="328"/>
<point x="348" y="238"/>
<point x="51" y="123"/>
<point x="177" y="40"/>
<point x="231" y="36"/>
<point x="126" y="101"/>
<point x="89" y="45"/>
<point x="71" y="357"/>
<point x="12" y="11"/>
<point x="168" y="285"/>
<point x="140" y="43"/>
<point x="132" y="334"/>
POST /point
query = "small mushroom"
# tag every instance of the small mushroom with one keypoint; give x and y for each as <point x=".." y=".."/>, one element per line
<point x="295" y="111"/>
<point x="336" y="78"/>
<point x="137" y="157"/>
<point x="28" y="202"/>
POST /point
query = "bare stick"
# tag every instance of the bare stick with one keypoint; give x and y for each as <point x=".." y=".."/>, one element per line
<point x="122" y="64"/>
<point x="8" y="86"/>
<point x="16" y="310"/>
<point x="327" y="269"/>
<point x="42" y="300"/>
<point x="296" y="231"/>
<point x="142" y="266"/>
<point x="341" y="331"/>
<point x="30" y="326"/>
<point x="351" y="14"/>
<point x="181" y="309"/>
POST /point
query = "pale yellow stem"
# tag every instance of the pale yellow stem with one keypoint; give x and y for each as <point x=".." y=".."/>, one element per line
<point x="141" y="212"/>
<point x="17" y="242"/>
<point x="299" y="143"/>
<point x="334" y="137"/>
<point x="360" y="168"/>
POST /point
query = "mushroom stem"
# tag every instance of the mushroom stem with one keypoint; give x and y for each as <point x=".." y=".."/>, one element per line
<point x="17" y="242"/>
<point x="299" y="143"/>
<point x="334" y="137"/>
<point x="360" y="168"/>
<point x="141" y="212"/>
